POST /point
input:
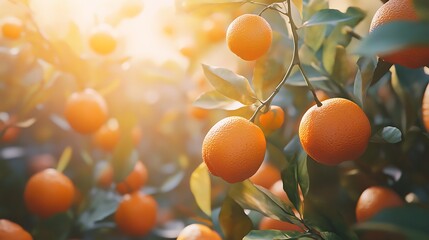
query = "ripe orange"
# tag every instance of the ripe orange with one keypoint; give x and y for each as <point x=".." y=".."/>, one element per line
<point x="425" y="108"/>
<point x="105" y="176"/>
<point x="134" y="181"/>
<point x="48" y="192"/>
<point x="86" y="111"/>
<point x="277" y="190"/>
<point x="41" y="162"/>
<point x="395" y="10"/>
<point x="214" y="28"/>
<point x="199" y="113"/>
<point x="198" y="232"/>
<point x="103" y="40"/>
<point x="10" y="230"/>
<point x="335" y="132"/>
<point x="107" y="136"/>
<point x="136" y="214"/>
<point x="273" y="119"/>
<point x="269" y="223"/>
<point x="249" y="36"/>
<point x="234" y="149"/>
<point x="12" y="28"/>
<point x="375" y="199"/>
<point x="266" y="176"/>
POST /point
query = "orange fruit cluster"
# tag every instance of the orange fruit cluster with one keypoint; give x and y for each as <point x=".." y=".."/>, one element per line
<point x="234" y="149"/>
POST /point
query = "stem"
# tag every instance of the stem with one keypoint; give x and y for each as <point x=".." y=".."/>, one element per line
<point x="295" y="61"/>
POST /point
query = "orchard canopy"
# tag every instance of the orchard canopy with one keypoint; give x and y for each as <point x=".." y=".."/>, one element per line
<point x="214" y="119"/>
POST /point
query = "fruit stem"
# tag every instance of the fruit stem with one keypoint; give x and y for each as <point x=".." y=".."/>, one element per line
<point x="295" y="61"/>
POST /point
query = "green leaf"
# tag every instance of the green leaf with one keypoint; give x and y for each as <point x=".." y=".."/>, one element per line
<point x="315" y="77"/>
<point x="273" y="234"/>
<point x="408" y="220"/>
<point x="230" y="84"/>
<point x="314" y="36"/>
<point x="200" y="187"/>
<point x="216" y="100"/>
<point x="328" y="16"/>
<point x="364" y="76"/>
<point x="290" y="184"/>
<point x="422" y="8"/>
<point x="54" y="228"/>
<point x="380" y="71"/>
<point x="394" y="36"/>
<point x="259" y="199"/>
<point x="234" y="222"/>
<point x="330" y="236"/>
<point x="302" y="172"/>
<point x="387" y="135"/>
<point x="102" y="204"/>
<point x="64" y="159"/>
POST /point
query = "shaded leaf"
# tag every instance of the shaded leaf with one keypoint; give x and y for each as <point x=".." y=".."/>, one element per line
<point x="234" y="222"/>
<point x="200" y="187"/>
<point x="422" y="8"/>
<point x="298" y="5"/>
<point x="364" y="76"/>
<point x="387" y="135"/>
<point x="330" y="236"/>
<point x="272" y="234"/>
<point x="216" y="100"/>
<point x="102" y="205"/>
<point x="394" y="36"/>
<point x="328" y="16"/>
<point x="230" y="84"/>
<point x="172" y="182"/>
<point x="54" y="228"/>
<point x="380" y="70"/>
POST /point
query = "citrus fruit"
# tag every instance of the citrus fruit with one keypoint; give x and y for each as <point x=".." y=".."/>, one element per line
<point x="277" y="190"/>
<point x="273" y="224"/>
<point x="105" y="176"/>
<point x="198" y="232"/>
<point x="85" y="111"/>
<point x="273" y="119"/>
<point x="103" y="40"/>
<point x="10" y="134"/>
<point x="136" y="214"/>
<point x="396" y="10"/>
<point x="107" y="136"/>
<point x="214" y="28"/>
<point x="134" y="181"/>
<point x="234" y="149"/>
<point x="199" y="113"/>
<point x="10" y="230"/>
<point x="425" y="108"/>
<point x="48" y="192"/>
<point x="335" y="132"/>
<point x="249" y="36"/>
<point x="11" y="28"/>
<point x="266" y="176"/>
<point x="373" y="200"/>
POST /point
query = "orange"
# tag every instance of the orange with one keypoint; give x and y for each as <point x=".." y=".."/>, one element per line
<point x="10" y="230"/>
<point x="395" y="10"/>
<point x="136" y="214"/>
<point x="214" y="28"/>
<point x="425" y="108"/>
<point x="273" y="119"/>
<point x="188" y="50"/>
<point x="103" y="40"/>
<point x="48" y="192"/>
<point x="373" y="200"/>
<point x="199" y="113"/>
<point x="107" y="136"/>
<point x="198" y="232"/>
<point x="41" y="162"/>
<point x="134" y="181"/>
<point x="10" y="134"/>
<point x="105" y="176"/>
<point x="269" y="223"/>
<point x="277" y="190"/>
<point x="266" y="176"/>
<point x="85" y="111"/>
<point x="335" y="132"/>
<point x="12" y="28"/>
<point x="249" y="36"/>
<point x="234" y="149"/>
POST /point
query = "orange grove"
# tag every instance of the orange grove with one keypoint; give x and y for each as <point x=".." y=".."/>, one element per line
<point x="234" y="149"/>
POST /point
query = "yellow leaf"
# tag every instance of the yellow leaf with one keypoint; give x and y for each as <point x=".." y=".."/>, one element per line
<point x="64" y="159"/>
<point x="200" y="188"/>
<point x="298" y="5"/>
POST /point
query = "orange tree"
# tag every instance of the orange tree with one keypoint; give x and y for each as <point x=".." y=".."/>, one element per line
<point x="127" y="146"/>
